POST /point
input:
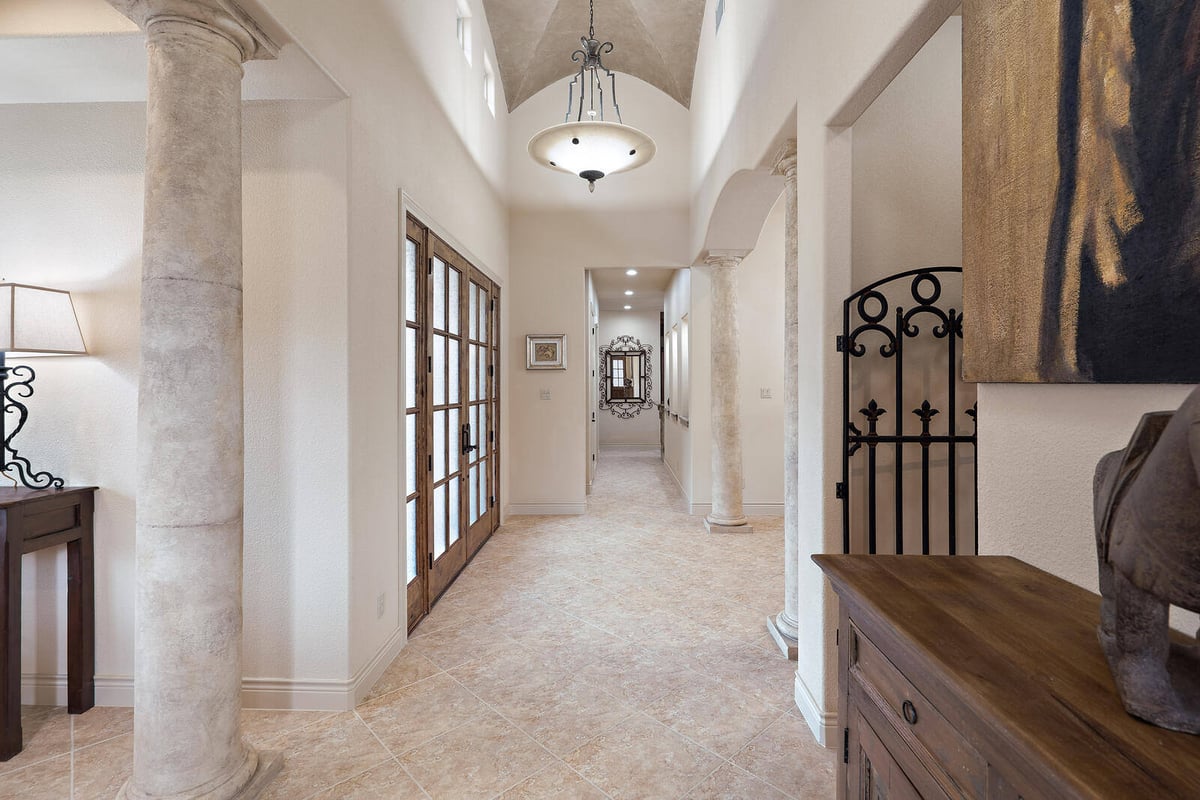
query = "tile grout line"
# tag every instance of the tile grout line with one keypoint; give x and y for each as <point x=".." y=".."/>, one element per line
<point x="71" y="782"/>
<point x="524" y="733"/>
<point x="395" y="757"/>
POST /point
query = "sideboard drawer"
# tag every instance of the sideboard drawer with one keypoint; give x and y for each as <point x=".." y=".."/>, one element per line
<point x="907" y="709"/>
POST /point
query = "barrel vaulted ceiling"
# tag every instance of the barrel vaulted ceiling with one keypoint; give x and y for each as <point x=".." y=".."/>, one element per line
<point x="655" y="40"/>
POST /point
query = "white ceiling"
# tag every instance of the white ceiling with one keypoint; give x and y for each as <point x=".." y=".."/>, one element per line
<point x="656" y="40"/>
<point x="649" y="288"/>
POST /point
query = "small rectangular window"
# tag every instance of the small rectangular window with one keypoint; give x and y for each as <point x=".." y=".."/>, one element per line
<point x="464" y="29"/>
<point x="489" y="84"/>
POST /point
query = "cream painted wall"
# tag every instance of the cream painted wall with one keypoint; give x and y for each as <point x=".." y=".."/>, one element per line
<point x="824" y="63"/>
<point x="908" y="167"/>
<point x="760" y="319"/>
<point x="546" y="294"/>
<point x="404" y="134"/>
<point x="677" y="435"/>
<point x="642" y="429"/>
<point x="63" y="164"/>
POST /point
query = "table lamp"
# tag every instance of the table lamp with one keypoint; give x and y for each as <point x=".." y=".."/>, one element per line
<point x="34" y="321"/>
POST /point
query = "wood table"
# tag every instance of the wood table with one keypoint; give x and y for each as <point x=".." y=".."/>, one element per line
<point x="30" y="520"/>
<point x="982" y="677"/>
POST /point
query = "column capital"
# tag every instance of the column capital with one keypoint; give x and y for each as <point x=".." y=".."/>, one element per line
<point x="223" y="17"/>
<point x="724" y="258"/>
<point x="784" y="162"/>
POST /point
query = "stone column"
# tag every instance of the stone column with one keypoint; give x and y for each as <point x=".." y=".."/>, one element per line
<point x="727" y="514"/>
<point x="188" y="634"/>
<point x="782" y="626"/>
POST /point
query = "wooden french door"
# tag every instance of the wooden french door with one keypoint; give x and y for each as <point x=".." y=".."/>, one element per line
<point x="451" y="414"/>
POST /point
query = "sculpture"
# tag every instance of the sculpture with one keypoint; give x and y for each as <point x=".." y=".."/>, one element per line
<point x="1147" y="505"/>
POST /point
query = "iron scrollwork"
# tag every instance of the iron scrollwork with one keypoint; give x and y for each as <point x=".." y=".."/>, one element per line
<point x="642" y="382"/>
<point x="866" y="316"/>
<point x="17" y="383"/>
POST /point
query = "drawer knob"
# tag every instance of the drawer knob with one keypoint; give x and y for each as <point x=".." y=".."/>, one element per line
<point x="910" y="712"/>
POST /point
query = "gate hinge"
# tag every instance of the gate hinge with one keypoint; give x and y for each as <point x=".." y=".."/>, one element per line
<point x="431" y="265"/>
<point x="430" y="364"/>
<point x="839" y="490"/>
<point x="841" y="344"/>
<point x="845" y="745"/>
<point x="431" y="560"/>
<point x="431" y="463"/>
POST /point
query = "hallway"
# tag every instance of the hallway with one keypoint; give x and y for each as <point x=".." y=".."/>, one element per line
<point x="620" y="654"/>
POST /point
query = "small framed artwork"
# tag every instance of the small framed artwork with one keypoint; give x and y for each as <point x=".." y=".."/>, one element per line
<point x="546" y="351"/>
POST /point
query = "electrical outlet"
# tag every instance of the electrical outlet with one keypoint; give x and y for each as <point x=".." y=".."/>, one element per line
<point x="545" y="394"/>
<point x="380" y="605"/>
<point x="764" y="393"/>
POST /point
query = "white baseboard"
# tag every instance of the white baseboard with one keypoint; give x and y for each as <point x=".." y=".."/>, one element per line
<point x="370" y="673"/>
<point x="751" y="509"/>
<point x="823" y="724"/>
<point x="547" y="509"/>
<point x="650" y="447"/>
<point x="51" y="690"/>
<point x="271" y="693"/>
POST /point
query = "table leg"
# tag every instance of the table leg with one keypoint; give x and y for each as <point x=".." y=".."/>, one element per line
<point x="10" y="637"/>
<point x="81" y="618"/>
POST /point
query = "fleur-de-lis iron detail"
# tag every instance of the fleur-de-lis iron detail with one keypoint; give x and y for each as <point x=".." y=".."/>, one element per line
<point x="925" y="413"/>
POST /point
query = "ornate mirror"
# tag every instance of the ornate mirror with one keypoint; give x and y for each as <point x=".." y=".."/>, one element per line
<point x="626" y="378"/>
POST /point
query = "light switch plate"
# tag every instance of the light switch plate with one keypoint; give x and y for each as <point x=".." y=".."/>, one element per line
<point x="545" y="394"/>
<point x="764" y="393"/>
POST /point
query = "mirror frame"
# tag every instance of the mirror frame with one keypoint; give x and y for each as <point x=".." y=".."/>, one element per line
<point x="626" y="345"/>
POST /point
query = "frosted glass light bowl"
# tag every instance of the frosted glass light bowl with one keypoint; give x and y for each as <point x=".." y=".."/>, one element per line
<point x="591" y="149"/>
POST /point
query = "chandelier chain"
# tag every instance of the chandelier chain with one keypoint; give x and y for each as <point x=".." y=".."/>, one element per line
<point x="591" y="19"/>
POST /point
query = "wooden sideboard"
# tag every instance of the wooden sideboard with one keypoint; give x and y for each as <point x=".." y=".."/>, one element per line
<point x="982" y="677"/>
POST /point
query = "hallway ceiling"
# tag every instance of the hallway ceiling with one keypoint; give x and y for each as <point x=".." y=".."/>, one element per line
<point x="655" y="40"/>
<point x="649" y="288"/>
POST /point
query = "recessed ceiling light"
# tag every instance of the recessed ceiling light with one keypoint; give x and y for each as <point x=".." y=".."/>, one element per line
<point x="631" y="272"/>
<point x="627" y="308"/>
<point x="629" y="292"/>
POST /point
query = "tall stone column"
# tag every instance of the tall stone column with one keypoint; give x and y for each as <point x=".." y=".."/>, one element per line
<point x="727" y="514"/>
<point x="782" y="626"/>
<point x="188" y="634"/>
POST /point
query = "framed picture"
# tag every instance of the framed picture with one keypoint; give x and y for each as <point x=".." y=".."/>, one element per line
<point x="546" y="351"/>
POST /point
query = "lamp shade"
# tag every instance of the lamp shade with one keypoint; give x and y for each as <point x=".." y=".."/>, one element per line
<point x="38" y="321"/>
<point x="591" y="149"/>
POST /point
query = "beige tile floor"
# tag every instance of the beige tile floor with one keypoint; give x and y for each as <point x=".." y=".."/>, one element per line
<point x="622" y="654"/>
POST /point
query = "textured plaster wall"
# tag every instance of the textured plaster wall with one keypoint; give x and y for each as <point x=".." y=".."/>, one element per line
<point x="643" y="428"/>
<point x="70" y="217"/>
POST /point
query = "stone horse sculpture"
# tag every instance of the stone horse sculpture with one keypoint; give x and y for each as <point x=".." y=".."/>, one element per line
<point x="1147" y="500"/>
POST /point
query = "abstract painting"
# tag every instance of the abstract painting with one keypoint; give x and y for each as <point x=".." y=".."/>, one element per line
<point x="1081" y="204"/>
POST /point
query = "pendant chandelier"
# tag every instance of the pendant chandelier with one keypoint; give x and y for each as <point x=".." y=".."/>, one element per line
<point x="590" y="146"/>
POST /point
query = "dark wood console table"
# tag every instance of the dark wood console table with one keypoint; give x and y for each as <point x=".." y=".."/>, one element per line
<point x="30" y="520"/>
<point x="982" y="677"/>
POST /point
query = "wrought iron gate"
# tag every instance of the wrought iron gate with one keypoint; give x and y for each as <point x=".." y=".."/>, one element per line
<point x="867" y="320"/>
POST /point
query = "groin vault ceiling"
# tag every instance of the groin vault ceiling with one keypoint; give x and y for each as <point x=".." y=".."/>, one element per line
<point x="655" y="40"/>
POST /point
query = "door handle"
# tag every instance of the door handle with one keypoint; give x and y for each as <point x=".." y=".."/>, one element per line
<point x="466" y="439"/>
